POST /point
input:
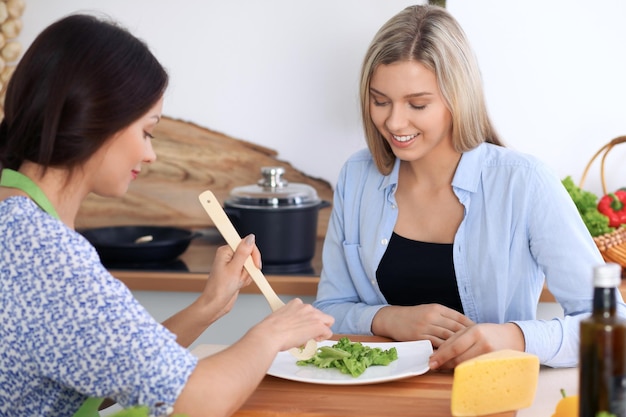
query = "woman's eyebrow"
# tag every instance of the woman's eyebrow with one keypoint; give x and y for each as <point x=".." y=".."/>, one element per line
<point x="412" y="95"/>
<point x="422" y="94"/>
<point x="375" y="91"/>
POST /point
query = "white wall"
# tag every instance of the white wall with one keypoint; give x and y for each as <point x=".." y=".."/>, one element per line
<point x="284" y="73"/>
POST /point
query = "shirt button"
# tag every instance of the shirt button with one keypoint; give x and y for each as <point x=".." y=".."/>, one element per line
<point x="393" y="206"/>
<point x="384" y="242"/>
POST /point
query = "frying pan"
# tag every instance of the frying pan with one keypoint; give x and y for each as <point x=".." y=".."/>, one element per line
<point x="116" y="244"/>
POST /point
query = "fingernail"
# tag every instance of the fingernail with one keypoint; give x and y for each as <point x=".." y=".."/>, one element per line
<point x="250" y="239"/>
<point x="433" y="364"/>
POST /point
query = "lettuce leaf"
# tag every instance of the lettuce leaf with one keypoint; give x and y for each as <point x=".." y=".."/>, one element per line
<point x="351" y="358"/>
<point x="586" y="202"/>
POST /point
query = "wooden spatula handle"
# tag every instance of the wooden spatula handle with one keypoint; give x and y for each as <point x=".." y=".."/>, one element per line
<point x="215" y="211"/>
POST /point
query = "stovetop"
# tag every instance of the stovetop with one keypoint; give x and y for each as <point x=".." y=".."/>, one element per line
<point x="198" y="258"/>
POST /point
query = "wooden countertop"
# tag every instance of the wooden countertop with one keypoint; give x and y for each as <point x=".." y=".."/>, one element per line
<point x="426" y="395"/>
<point x="198" y="259"/>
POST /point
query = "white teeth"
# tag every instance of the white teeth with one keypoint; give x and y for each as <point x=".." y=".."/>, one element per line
<point x="404" y="138"/>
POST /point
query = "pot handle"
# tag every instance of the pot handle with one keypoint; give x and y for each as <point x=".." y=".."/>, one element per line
<point x="324" y="204"/>
<point x="196" y="234"/>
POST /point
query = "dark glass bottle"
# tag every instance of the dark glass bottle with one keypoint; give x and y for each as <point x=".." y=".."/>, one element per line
<point x="603" y="349"/>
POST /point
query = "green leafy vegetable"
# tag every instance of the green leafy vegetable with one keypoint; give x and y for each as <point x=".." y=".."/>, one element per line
<point x="138" y="411"/>
<point x="586" y="203"/>
<point x="350" y="357"/>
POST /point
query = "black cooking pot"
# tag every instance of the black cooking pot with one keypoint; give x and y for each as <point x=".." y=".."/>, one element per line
<point x="282" y="216"/>
<point x="157" y="244"/>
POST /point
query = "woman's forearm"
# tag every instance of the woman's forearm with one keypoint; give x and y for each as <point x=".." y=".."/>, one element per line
<point x="222" y="382"/>
<point x="189" y="323"/>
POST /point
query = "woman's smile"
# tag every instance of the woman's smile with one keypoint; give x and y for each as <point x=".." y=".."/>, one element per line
<point x="405" y="138"/>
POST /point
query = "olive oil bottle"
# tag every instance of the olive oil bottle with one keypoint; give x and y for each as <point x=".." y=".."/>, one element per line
<point x="603" y="349"/>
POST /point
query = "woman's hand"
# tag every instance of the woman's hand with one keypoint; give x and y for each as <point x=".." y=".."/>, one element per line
<point x="296" y="323"/>
<point x="476" y="340"/>
<point x="228" y="276"/>
<point x="226" y="379"/>
<point x="433" y="322"/>
<point x="219" y="294"/>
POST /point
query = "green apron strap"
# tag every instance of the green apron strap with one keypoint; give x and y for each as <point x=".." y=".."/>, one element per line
<point x="14" y="179"/>
<point x="89" y="408"/>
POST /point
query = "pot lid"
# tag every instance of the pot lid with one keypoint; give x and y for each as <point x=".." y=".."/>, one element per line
<point x="273" y="191"/>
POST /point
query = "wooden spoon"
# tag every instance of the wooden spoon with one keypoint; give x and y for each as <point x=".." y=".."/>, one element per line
<point x="215" y="211"/>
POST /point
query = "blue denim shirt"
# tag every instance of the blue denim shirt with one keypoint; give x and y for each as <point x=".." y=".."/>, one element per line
<point x="519" y="226"/>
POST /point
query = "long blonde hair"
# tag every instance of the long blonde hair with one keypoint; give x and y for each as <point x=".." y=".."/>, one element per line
<point x="431" y="36"/>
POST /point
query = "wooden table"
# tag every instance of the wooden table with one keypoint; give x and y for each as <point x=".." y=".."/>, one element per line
<point x="425" y="395"/>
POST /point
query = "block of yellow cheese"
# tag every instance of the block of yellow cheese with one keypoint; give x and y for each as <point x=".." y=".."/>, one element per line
<point x="495" y="382"/>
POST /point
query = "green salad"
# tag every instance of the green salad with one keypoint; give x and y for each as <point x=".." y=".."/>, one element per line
<point x="138" y="411"/>
<point x="350" y="357"/>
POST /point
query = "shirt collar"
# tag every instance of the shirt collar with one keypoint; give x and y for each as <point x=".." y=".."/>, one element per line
<point x="391" y="180"/>
<point x="466" y="177"/>
<point x="469" y="171"/>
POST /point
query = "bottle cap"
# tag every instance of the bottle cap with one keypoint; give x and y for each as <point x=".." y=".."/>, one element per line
<point x="607" y="275"/>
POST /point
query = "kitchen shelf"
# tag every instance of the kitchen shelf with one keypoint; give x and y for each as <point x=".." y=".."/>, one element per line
<point x="197" y="260"/>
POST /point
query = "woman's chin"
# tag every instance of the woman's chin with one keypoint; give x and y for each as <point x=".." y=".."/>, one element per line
<point x="111" y="193"/>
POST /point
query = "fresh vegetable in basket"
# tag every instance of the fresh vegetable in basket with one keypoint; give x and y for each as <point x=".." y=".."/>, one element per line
<point x="613" y="206"/>
<point x="586" y="203"/>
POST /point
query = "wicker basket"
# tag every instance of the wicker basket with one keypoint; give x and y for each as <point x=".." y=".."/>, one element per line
<point x="612" y="245"/>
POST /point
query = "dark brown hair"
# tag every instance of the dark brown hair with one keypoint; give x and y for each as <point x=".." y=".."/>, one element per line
<point x="82" y="80"/>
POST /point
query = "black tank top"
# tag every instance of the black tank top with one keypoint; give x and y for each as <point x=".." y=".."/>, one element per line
<point x="412" y="273"/>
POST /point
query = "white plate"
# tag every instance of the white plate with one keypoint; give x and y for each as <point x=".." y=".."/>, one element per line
<point x="412" y="360"/>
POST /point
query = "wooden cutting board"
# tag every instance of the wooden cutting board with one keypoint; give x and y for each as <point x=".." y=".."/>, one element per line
<point x="191" y="159"/>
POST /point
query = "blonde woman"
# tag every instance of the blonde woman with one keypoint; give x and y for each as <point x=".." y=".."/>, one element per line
<point x="438" y="231"/>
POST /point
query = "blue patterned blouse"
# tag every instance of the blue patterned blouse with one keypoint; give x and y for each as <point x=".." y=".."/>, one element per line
<point x="69" y="330"/>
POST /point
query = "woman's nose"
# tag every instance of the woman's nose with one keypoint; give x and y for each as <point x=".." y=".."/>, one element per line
<point x="397" y="118"/>
<point x="150" y="155"/>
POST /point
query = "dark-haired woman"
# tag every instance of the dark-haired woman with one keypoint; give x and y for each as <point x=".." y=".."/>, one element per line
<point x="80" y="109"/>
